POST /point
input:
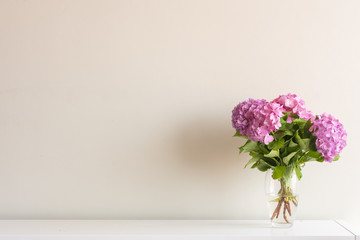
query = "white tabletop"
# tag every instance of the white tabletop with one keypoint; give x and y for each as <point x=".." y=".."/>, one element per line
<point x="168" y="229"/>
<point x="352" y="226"/>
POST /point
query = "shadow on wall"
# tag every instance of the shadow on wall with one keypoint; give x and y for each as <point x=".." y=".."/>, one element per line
<point x="209" y="155"/>
<point x="207" y="143"/>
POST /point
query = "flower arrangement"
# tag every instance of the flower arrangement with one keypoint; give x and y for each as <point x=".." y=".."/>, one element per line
<point x="282" y="135"/>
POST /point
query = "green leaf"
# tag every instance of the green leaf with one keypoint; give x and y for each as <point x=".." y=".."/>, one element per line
<point x="320" y="159"/>
<point x="255" y="158"/>
<point x="307" y="126"/>
<point x="285" y="127"/>
<point x="302" y="159"/>
<point x="283" y="120"/>
<point x="304" y="143"/>
<point x="254" y="154"/>
<point x="291" y="150"/>
<point x="272" y="154"/>
<point x="271" y="145"/>
<point x="287" y="159"/>
<point x="294" y="115"/>
<point x="288" y="174"/>
<point x="291" y="147"/>
<point x="249" y="146"/>
<point x="336" y="158"/>
<point x="278" y="172"/>
<point x="271" y="161"/>
<point x="292" y="144"/>
<point x="276" y="145"/>
<point x="237" y="134"/>
<point x="313" y="154"/>
<point x="263" y="166"/>
<point x="263" y="148"/>
<point x="298" y="140"/>
<point x="295" y="158"/>
<point x="300" y="122"/>
<point x="312" y="145"/>
<point x="298" y="171"/>
<point x="282" y="133"/>
<point x="285" y="117"/>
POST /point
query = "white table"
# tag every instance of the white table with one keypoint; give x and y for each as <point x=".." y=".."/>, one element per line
<point x="169" y="230"/>
<point x="352" y="226"/>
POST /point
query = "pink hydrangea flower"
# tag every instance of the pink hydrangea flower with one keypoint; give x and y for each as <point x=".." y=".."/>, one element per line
<point x="331" y="136"/>
<point x="293" y="103"/>
<point x="256" y="119"/>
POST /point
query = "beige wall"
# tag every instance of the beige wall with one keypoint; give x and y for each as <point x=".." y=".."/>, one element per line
<point x="121" y="109"/>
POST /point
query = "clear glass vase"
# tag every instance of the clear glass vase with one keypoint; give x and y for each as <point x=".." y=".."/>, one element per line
<point x="282" y="199"/>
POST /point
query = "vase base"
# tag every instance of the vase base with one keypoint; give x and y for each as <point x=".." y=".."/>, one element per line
<point x="281" y="225"/>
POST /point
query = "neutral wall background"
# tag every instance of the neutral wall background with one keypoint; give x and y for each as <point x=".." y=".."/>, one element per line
<point x="121" y="109"/>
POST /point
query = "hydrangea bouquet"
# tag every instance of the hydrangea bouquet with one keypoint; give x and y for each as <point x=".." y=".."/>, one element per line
<point x="282" y="136"/>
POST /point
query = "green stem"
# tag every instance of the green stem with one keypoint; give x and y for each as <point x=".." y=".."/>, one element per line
<point x="285" y="196"/>
<point x="285" y="190"/>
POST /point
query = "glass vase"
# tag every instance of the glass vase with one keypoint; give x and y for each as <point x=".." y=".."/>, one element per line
<point x="282" y="199"/>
